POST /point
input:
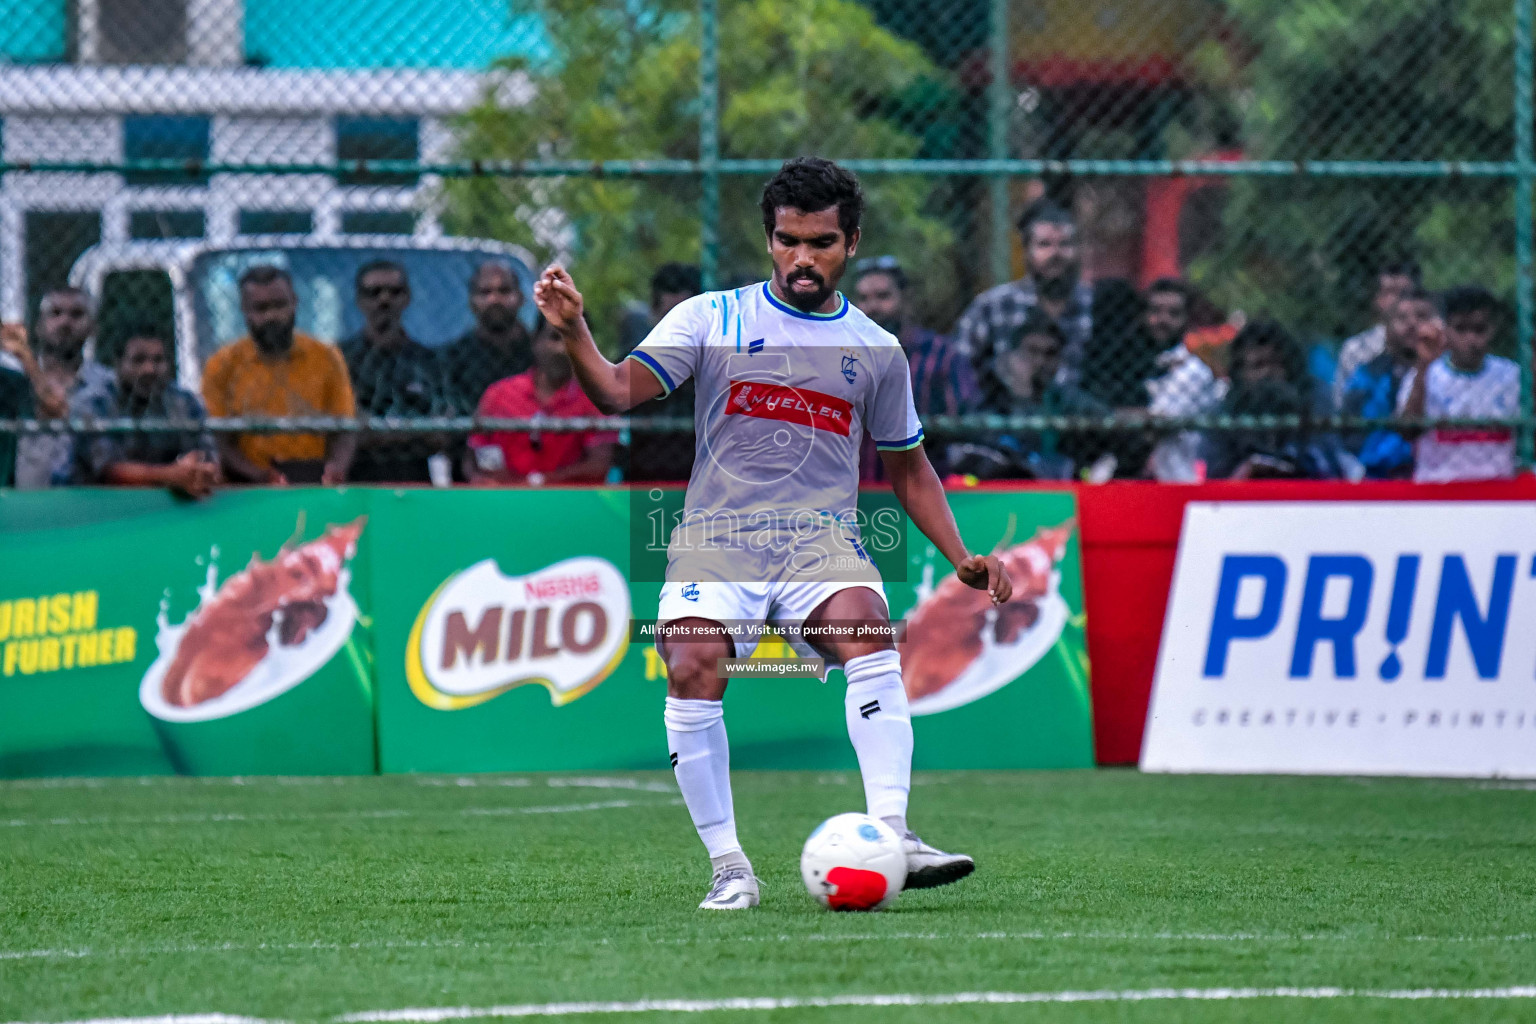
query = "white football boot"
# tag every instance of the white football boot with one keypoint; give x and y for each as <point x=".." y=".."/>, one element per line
<point x="927" y="867"/>
<point x="733" y="888"/>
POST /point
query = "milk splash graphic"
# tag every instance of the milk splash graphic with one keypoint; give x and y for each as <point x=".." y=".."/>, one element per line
<point x="282" y="668"/>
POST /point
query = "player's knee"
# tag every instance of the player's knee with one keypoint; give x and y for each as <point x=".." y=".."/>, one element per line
<point x="693" y="673"/>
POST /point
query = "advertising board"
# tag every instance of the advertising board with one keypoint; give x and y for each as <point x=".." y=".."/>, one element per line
<point x="1344" y="638"/>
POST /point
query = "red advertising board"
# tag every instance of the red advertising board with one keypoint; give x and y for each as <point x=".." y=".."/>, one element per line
<point x="1130" y="534"/>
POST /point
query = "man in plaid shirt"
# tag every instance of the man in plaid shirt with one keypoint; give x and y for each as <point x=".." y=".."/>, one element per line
<point x="1052" y="285"/>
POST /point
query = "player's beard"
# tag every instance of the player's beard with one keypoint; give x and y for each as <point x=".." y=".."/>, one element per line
<point x="807" y="302"/>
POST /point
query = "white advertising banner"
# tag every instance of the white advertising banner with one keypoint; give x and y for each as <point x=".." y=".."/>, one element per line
<point x="1349" y="638"/>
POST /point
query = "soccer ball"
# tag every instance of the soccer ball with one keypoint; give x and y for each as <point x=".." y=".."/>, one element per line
<point x="854" y="862"/>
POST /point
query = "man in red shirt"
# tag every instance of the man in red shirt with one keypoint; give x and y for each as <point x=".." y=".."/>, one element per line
<point x="540" y="457"/>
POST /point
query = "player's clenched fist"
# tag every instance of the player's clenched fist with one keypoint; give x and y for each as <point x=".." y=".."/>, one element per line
<point x="985" y="572"/>
<point x="557" y="298"/>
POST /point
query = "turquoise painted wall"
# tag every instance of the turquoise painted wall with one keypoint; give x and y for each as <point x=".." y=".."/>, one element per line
<point x="33" y="31"/>
<point x="463" y="34"/>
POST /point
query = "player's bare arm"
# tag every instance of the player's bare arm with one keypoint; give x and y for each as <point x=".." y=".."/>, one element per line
<point x="613" y="388"/>
<point x="918" y="489"/>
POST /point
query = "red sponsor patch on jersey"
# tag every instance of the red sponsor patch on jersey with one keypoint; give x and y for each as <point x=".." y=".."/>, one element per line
<point x="1466" y="435"/>
<point x="791" y="405"/>
<point x="857" y="889"/>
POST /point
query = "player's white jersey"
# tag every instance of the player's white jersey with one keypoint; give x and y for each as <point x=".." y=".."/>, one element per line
<point x="784" y="399"/>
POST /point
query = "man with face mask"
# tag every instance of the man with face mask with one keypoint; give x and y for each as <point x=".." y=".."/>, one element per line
<point x="497" y="347"/>
<point x="58" y="369"/>
<point x="278" y="371"/>
<point x="185" y="462"/>
<point x="1053" y="285"/>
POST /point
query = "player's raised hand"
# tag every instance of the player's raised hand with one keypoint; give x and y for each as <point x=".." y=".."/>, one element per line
<point x="557" y="298"/>
<point x="985" y="572"/>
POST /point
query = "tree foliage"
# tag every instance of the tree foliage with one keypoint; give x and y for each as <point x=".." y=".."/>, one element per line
<point x="1363" y="80"/>
<point x="622" y="82"/>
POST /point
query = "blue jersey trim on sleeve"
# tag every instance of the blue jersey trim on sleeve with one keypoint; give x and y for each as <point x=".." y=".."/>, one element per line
<point x="650" y="363"/>
<point x="901" y="446"/>
<point x="842" y="310"/>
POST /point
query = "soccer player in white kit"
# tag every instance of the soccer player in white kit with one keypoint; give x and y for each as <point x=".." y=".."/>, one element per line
<point x="790" y="377"/>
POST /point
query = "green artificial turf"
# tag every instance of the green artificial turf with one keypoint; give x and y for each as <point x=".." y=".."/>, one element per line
<point x="305" y="899"/>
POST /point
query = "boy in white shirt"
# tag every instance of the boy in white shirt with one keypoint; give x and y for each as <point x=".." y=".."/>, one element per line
<point x="1461" y="380"/>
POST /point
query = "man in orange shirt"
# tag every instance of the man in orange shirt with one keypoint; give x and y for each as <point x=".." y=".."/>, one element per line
<point x="277" y="371"/>
<point x="547" y="390"/>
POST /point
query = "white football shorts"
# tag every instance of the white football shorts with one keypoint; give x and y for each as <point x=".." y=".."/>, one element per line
<point x="751" y="609"/>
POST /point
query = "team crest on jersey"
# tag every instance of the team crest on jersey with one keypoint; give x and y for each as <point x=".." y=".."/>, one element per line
<point x="850" y="368"/>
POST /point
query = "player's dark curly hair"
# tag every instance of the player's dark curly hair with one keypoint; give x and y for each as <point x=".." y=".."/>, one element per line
<point x="811" y="184"/>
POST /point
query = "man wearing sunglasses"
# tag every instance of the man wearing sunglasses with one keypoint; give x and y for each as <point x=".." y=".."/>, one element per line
<point x="392" y="375"/>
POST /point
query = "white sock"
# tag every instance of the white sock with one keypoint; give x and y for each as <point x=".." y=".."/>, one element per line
<point x="880" y="726"/>
<point x="701" y="757"/>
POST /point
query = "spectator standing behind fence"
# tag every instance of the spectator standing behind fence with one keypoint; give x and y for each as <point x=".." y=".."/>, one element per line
<point x="943" y="382"/>
<point x="1393" y="281"/>
<point x="1030" y="374"/>
<point x="277" y="371"/>
<point x="497" y="347"/>
<point x="59" y="368"/>
<point x="15" y="396"/>
<point x="1051" y="285"/>
<point x="1122" y="351"/>
<point x="1185" y="385"/>
<point x="671" y="284"/>
<point x="1269" y="378"/>
<point x="653" y="455"/>
<point x="184" y="461"/>
<point x="392" y="375"/>
<point x="1464" y="381"/>
<point x="549" y="390"/>
<point x="1413" y="321"/>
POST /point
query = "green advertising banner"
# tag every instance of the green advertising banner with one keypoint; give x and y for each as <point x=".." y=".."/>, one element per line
<point x="142" y="634"/>
<point x="502" y="643"/>
<point x="305" y="631"/>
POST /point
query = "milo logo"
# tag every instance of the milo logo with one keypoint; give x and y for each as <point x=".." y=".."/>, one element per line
<point x="564" y="627"/>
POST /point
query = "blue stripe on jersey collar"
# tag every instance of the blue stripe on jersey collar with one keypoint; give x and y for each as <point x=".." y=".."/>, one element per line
<point x="792" y="311"/>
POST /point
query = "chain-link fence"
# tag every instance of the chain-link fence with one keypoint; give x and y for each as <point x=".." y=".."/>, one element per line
<point x="1134" y="238"/>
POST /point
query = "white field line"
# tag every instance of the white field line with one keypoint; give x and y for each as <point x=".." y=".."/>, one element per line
<point x="436" y="1015"/>
<point x="258" y="781"/>
<point x="185" y="1018"/>
<point x="202" y="819"/>
<point x="605" y="782"/>
<point x="1167" y="937"/>
<point x="432" y="781"/>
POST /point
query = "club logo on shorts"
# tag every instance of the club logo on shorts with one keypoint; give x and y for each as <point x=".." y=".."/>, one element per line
<point x="690" y="591"/>
<point x="483" y="633"/>
<point x="850" y="369"/>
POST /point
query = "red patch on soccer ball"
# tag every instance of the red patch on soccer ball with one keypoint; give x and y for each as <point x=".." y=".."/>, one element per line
<point x="856" y="889"/>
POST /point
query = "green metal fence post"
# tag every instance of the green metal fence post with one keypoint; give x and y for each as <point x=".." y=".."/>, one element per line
<point x="999" y="100"/>
<point x="709" y="141"/>
<point x="1525" y="170"/>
